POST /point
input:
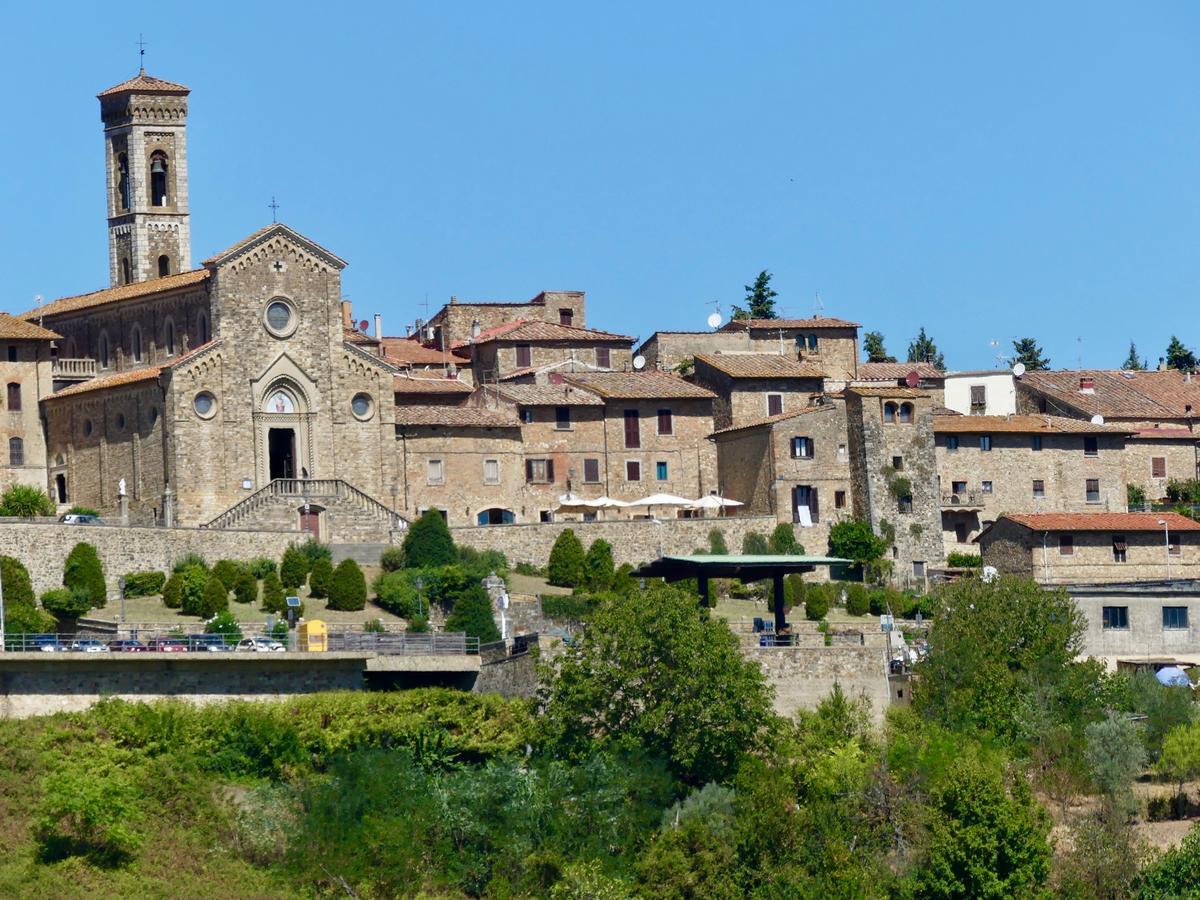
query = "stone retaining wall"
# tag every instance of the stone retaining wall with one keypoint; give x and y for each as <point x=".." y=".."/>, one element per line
<point x="804" y="676"/>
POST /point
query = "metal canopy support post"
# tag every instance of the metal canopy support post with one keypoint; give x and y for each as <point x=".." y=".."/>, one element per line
<point x="702" y="583"/>
<point x="777" y="593"/>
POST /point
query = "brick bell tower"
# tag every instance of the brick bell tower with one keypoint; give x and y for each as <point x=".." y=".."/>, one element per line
<point x="145" y="158"/>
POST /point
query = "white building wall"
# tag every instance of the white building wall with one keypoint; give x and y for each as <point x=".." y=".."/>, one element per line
<point x="999" y="388"/>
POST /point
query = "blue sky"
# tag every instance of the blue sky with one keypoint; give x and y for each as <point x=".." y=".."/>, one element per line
<point x="1021" y="168"/>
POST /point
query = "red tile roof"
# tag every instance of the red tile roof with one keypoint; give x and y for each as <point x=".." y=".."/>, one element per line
<point x="821" y="322"/>
<point x="533" y="330"/>
<point x="457" y="416"/>
<point x="1118" y="393"/>
<point x="956" y="424"/>
<point x="759" y="365"/>
<point x="19" y="330"/>
<point x="1103" y="521"/>
<point x="549" y="395"/>
<point x="117" y="379"/>
<point x="142" y="83"/>
<point x="896" y="392"/>
<point x="138" y="290"/>
<point x="1166" y="434"/>
<point x="771" y="420"/>
<point x="870" y="371"/>
<point x="411" y="352"/>
<point x="406" y="384"/>
<point x="638" y="386"/>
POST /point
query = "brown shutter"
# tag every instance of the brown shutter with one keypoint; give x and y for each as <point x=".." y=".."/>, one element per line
<point x="774" y="404"/>
<point x="814" y="507"/>
<point x="1158" y="467"/>
<point x="528" y="470"/>
<point x="604" y="357"/>
<point x="664" y="421"/>
<point x="591" y="470"/>
<point x="632" y="436"/>
<point x="523" y="356"/>
<point x="550" y="471"/>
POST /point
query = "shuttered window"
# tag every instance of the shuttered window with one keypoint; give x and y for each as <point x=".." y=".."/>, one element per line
<point x="14" y="396"/>
<point x="1158" y="467"/>
<point x="539" y="471"/>
<point x="978" y="396"/>
<point x="666" y="424"/>
<point x="1092" y="490"/>
<point x="524" y="356"/>
<point x="774" y="404"/>
<point x="633" y="438"/>
<point x="633" y="470"/>
<point x="604" y="357"/>
<point x="591" y="471"/>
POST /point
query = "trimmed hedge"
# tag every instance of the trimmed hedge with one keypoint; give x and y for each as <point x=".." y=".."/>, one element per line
<point x="273" y="597"/>
<point x="66" y="603"/>
<point x="245" y="589"/>
<point x="18" y="587"/>
<point x="143" y="584"/>
<point x="573" y="606"/>
<point x="212" y="600"/>
<point x="428" y="542"/>
<point x="565" y="568"/>
<point x="348" y="589"/>
<point x="320" y="578"/>
<point x="83" y="570"/>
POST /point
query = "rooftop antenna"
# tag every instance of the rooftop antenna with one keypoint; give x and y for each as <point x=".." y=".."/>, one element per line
<point x="1079" y="356"/>
<point x="273" y="206"/>
<point x="1001" y="359"/>
<point x="141" y="54"/>
<point x="820" y="305"/>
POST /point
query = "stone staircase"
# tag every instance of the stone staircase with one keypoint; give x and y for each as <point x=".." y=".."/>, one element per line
<point x="351" y="516"/>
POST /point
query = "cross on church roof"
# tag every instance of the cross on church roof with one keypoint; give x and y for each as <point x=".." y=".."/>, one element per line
<point x="273" y="206"/>
<point x="141" y="53"/>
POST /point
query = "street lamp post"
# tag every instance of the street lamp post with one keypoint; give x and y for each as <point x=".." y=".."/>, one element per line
<point x="1166" y="544"/>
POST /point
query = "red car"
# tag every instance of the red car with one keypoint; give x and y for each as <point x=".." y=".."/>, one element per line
<point x="127" y="647"/>
<point x="167" y="645"/>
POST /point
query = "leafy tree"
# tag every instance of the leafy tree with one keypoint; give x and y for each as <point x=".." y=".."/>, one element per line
<point x="1164" y="708"/>
<point x="392" y="559"/>
<point x="783" y="540"/>
<point x="273" y="597"/>
<point x="816" y="602"/>
<point x="1179" y="356"/>
<point x="1132" y="362"/>
<point x="923" y="349"/>
<point x="754" y="544"/>
<point x="15" y="582"/>
<point x="993" y="647"/>
<point x="25" y="501"/>
<point x="228" y="571"/>
<point x="1115" y="756"/>
<point x="598" y="568"/>
<point x="225" y="624"/>
<point x="716" y="543"/>
<point x="66" y="604"/>
<point x="293" y="569"/>
<point x="348" y="588"/>
<point x="985" y="840"/>
<point x="651" y="671"/>
<point x="144" y="584"/>
<point x="760" y="299"/>
<point x="858" y="602"/>
<point x="472" y="615"/>
<point x="873" y="347"/>
<point x="245" y="589"/>
<point x="1180" y="759"/>
<point x="854" y="539"/>
<point x="1174" y="874"/>
<point x="82" y="569"/>
<point x="321" y="578"/>
<point x="689" y="860"/>
<point x="314" y="550"/>
<point x="428" y="542"/>
<point x="214" y="599"/>
<point x="565" y="568"/>
<point x="1027" y="351"/>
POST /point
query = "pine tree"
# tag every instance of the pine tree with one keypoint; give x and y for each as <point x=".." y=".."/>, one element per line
<point x="83" y="569"/>
<point x="321" y="578"/>
<point x="923" y="349"/>
<point x="1132" y="363"/>
<point x="215" y="599"/>
<point x="760" y="299"/>
<point x="1180" y="357"/>
<point x="348" y="588"/>
<point x="428" y="542"/>
<point x="1027" y="352"/>
<point x="472" y="615"/>
<point x="873" y="347"/>
<point x="565" y="567"/>
<point x="245" y="589"/>
<point x="293" y="569"/>
<point x="273" y="598"/>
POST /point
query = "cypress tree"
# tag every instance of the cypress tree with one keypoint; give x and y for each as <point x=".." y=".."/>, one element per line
<point x="348" y="588"/>
<point x="565" y="568"/>
<point x="294" y="568"/>
<point x="83" y="570"/>
<point x="598" y="565"/>
<point x="214" y="599"/>
<point x="320" y="578"/>
<point x="472" y="615"/>
<point x="428" y="542"/>
<point x="273" y="598"/>
<point x="245" y="589"/>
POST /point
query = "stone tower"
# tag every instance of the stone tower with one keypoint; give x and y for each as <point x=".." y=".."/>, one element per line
<point x="145" y="157"/>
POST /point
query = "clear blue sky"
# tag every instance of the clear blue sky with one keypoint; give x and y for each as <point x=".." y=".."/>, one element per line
<point x="1029" y="168"/>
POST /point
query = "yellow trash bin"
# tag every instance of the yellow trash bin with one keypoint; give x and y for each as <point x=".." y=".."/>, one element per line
<point x="313" y="636"/>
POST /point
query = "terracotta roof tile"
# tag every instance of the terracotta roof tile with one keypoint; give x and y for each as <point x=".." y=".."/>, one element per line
<point x="870" y="371"/>
<point x="193" y="353"/>
<point x="771" y="420"/>
<point x="1103" y="521"/>
<point x="548" y="395"/>
<point x="408" y="351"/>
<point x="135" y="291"/>
<point x="145" y="84"/>
<point x="956" y="424"/>
<point x="532" y="330"/>
<point x="638" y="386"/>
<point x="896" y="392"/>
<point x="1173" y="434"/>
<point x="408" y="384"/>
<point x="118" y="379"/>
<point x="760" y="365"/>
<point x="945" y="411"/>
<point x="457" y="416"/>
<point x="1117" y="393"/>
<point x="19" y="330"/>
<point x="822" y="322"/>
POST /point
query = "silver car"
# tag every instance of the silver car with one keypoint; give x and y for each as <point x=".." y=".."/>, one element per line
<point x="89" y="645"/>
<point x="260" y="645"/>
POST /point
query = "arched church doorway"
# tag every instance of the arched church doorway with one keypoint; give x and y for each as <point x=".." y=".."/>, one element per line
<point x="60" y="487"/>
<point x="310" y="520"/>
<point x="285" y="433"/>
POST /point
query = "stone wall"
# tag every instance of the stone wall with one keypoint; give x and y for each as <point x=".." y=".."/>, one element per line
<point x="44" y="547"/>
<point x="1179" y="456"/>
<point x="633" y="540"/>
<point x="1145" y="634"/>
<point x="804" y="676"/>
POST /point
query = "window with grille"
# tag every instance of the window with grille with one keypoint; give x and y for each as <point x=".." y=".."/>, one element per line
<point x="16" y="452"/>
<point x="985" y="486"/>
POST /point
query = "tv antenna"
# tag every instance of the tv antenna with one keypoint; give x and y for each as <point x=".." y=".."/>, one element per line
<point x="1001" y="359"/>
<point x="820" y="305"/>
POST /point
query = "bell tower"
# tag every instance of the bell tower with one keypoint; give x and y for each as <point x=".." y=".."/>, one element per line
<point x="145" y="158"/>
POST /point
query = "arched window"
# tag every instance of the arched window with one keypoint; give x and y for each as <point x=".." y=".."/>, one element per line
<point x="158" y="178"/>
<point x="164" y="266"/>
<point x="169" y="337"/>
<point x="102" y="350"/>
<point x="14" y="396"/>
<point x="202" y="328"/>
<point x="16" y="452"/>
<point x="889" y="412"/>
<point x="906" y="413"/>
<point x="123" y="180"/>
<point x="135" y="343"/>
<point x="126" y="271"/>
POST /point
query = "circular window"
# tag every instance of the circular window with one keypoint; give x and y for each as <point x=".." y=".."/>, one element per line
<point x="362" y="406"/>
<point x="280" y="317"/>
<point x="205" y="405"/>
<point x="87" y="427"/>
<point x="120" y="422"/>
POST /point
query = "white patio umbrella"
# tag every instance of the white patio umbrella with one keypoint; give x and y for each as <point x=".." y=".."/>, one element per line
<point x="661" y="500"/>
<point x="715" y="503"/>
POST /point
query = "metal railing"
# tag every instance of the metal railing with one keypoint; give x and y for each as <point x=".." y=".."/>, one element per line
<point x="964" y="498"/>
<point x="141" y="640"/>
<point x="323" y="489"/>
<point x="405" y="643"/>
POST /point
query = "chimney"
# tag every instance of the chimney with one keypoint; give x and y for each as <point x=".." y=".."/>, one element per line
<point x="347" y="315"/>
<point x="408" y="331"/>
<point x="378" y="326"/>
<point x="475" y="329"/>
<point x="453" y="299"/>
<point x="1162" y="364"/>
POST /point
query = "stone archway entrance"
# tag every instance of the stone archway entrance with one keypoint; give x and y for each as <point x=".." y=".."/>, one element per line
<point x="283" y="424"/>
<point x="310" y="520"/>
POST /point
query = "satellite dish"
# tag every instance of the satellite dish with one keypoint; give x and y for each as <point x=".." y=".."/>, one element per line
<point x="364" y="325"/>
<point x="1097" y="419"/>
<point x="639" y="362"/>
<point x="1018" y="370"/>
<point x="714" y="320"/>
<point x="912" y="379"/>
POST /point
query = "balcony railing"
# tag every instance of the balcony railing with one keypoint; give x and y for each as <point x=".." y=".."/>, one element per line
<point x="73" y="369"/>
<point x="964" y="499"/>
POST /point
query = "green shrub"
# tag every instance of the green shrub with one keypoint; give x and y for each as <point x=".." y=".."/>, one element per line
<point x="396" y="592"/>
<point x="598" y="569"/>
<point x="320" y="578"/>
<point x="263" y="566"/>
<point x="716" y="543"/>
<point x="479" y="564"/>
<point x="794" y="590"/>
<point x="273" y="597"/>
<point x="858" y="602"/>
<point x="574" y="607"/>
<point x="25" y="501"/>
<point x="348" y="589"/>
<point x="90" y="807"/>
<point x="565" y="567"/>
<point x="213" y="599"/>
<point x="172" y="593"/>
<point x="428" y="542"/>
<point x="964" y="560"/>
<point x="228" y="571"/>
<point x="472" y="615"/>
<point x="418" y="624"/>
<point x="25" y="618"/>
<point x="373" y="626"/>
<point x="245" y="589"/>
<point x="783" y="540"/>
<point x="392" y="559"/>
<point x="817" y="599"/>
<point x="524" y="568"/>
<point x="84" y="511"/>
<point x="293" y="570"/>
<point x="754" y="544"/>
<point x="190" y="561"/>
<point x="17" y="586"/>
<point x="314" y="550"/>
<point x="144" y="584"/>
<point x="1134" y="495"/>
<point x="225" y="624"/>
<point x="66" y="603"/>
<point x="443" y="585"/>
<point x="83" y="570"/>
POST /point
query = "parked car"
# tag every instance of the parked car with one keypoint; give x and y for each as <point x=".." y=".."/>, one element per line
<point x="79" y="519"/>
<point x="260" y="645"/>
<point x="126" y="646"/>
<point x="207" y="643"/>
<point x="89" y="645"/>
<point x="167" y="645"/>
<point x="46" y="643"/>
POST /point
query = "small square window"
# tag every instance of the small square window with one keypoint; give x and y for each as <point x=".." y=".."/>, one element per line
<point x="435" y="472"/>
<point x="1092" y="490"/>
<point x="1158" y="467"/>
<point x="839" y="499"/>
<point x="1036" y="442"/>
<point x="1175" y="617"/>
<point x="1091" y="446"/>
<point x="952" y="442"/>
<point x="985" y="442"/>
<point x="633" y="470"/>
<point x="1114" y="617"/>
<point x="660" y="471"/>
<point x="545" y="515"/>
<point x="562" y="418"/>
<point x="526" y="415"/>
<point x="539" y="471"/>
<point x="774" y="404"/>
<point x="1066" y="545"/>
<point x="898" y="463"/>
<point x="986" y="487"/>
<point x="1039" y="489"/>
<point x="802" y="448"/>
